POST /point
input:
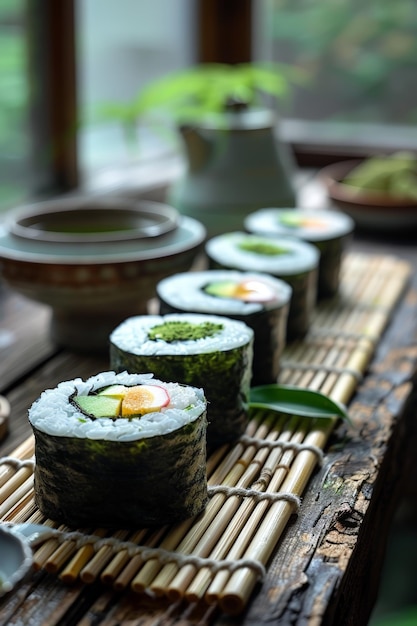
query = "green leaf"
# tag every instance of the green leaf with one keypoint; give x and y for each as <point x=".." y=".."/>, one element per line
<point x="296" y="401"/>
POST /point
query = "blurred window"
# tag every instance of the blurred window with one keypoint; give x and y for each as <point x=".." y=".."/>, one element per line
<point x="61" y="61"/>
<point x="123" y="45"/>
<point x="360" y="62"/>
<point x="14" y="87"/>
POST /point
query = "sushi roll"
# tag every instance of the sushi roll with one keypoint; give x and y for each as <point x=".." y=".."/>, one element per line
<point x="120" y="450"/>
<point x="330" y="231"/>
<point x="260" y="300"/>
<point x="208" y="351"/>
<point x="290" y="259"/>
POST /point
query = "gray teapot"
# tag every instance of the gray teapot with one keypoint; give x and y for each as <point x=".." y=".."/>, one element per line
<point x="234" y="165"/>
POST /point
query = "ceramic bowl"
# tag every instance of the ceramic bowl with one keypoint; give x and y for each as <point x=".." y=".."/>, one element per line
<point x="370" y="210"/>
<point x="94" y="262"/>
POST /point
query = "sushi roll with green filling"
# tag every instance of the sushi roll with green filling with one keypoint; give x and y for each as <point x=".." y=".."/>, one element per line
<point x="120" y="450"/>
<point x="288" y="258"/>
<point x="330" y="231"/>
<point x="260" y="300"/>
<point x="208" y="351"/>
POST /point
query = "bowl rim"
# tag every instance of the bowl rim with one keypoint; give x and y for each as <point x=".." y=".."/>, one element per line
<point x="188" y="237"/>
<point x="22" y="221"/>
<point x="331" y="177"/>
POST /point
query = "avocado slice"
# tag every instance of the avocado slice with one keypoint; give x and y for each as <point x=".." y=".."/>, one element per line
<point x="113" y="391"/>
<point x="221" y="288"/>
<point x="99" y="406"/>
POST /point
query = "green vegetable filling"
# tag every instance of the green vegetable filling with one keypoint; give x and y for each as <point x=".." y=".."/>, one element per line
<point x="99" y="406"/>
<point x="221" y="288"/>
<point x="260" y="246"/>
<point x="182" y="331"/>
<point x="292" y="221"/>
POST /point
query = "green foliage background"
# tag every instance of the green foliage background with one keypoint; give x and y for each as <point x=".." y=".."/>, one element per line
<point x="363" y="53"/>
<point x="13" y="99"/>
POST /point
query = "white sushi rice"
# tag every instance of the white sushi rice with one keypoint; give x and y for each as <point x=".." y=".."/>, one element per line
<point x="268" y="222"/>
<point x="297" y="256"/>
<point x="186" y="291"/>
<point x="54" y="414"/>
<point x="132" y="335"/>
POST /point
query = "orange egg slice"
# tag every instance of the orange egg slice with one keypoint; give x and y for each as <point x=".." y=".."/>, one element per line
<point x="253" y="291"/>
<point x="143" y="399"/>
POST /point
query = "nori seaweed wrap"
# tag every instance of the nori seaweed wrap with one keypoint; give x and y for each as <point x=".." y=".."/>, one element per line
<point x="143" y="467"/>
<point x="329" y="230"/>
<point x="290" y="259"/>
<point x="260" y="300"/>
<point x="208" y="351"/>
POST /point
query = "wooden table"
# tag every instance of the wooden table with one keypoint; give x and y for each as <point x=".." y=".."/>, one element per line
<point x="326" y="567"/>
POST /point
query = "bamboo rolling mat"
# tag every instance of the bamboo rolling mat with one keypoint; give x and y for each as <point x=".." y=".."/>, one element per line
<point x="255" y="484"/>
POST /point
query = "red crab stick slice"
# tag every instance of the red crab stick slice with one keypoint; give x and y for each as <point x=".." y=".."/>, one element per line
<point x="143" y="399"/>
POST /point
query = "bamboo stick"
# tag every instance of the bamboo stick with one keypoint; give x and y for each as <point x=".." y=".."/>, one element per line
<point x="18" y="511"/>
<point x="70" y="574"/>
<point x="15" y="497"/>
<point x="44" y="551"/>
<point x="92" y="569"/>
<point x="59" y="557"/>
<point x="112" y="570"/>
<point x="14" y="483"/>
<point x="36" y="517"/>
<point x="23" y="514"/>
<point x="131" y="568"/>
<point x="7" y="470"/>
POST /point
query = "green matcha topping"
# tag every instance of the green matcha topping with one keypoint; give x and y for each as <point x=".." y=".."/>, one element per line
<point x="183" y="331"/>
<point x="260" y="246"/>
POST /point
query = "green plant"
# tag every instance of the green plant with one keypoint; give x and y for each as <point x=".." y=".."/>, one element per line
<point x="187" y="96"/>
<point x="216" y="88"/>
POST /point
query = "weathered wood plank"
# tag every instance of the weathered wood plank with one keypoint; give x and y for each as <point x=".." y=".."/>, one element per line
<point x="24" y="340"/>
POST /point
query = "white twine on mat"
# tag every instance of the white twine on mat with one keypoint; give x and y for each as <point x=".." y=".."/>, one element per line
<point x="326" y="368"/>
<point x="291" y="498"/>
<point x="17" y="463"/>
<point x="146" y="553"/>
<point x="285" y="445"/>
